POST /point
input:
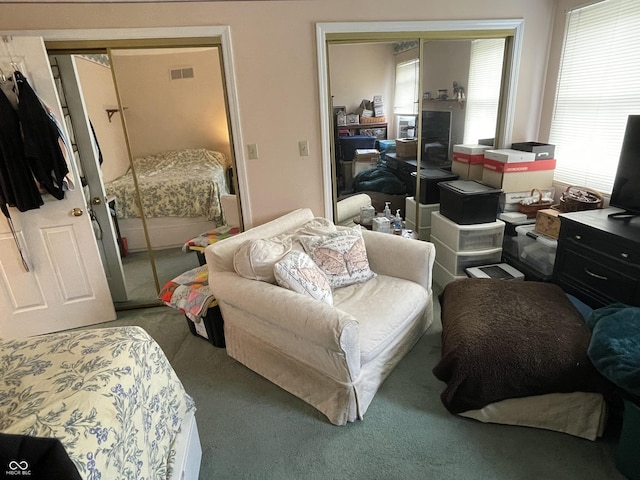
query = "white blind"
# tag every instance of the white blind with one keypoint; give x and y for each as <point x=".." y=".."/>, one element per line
<point x="406" y="95"/>
<point x="483" y="93"/>
<point x="598" y="87"/>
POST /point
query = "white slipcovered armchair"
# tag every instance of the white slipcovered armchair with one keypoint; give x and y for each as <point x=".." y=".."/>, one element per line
<point x="334" y="357"/>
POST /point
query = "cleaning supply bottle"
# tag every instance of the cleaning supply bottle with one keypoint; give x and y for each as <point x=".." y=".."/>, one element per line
<point x="397" y="222"/>
<point x="387" y="211"/>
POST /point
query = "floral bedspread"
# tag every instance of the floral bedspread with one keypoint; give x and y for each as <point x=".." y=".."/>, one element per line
<point x="110" y="395"/>
<point x="185" y="183"/>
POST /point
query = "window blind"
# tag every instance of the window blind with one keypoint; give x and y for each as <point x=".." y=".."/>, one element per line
<point x="406" y="94"/>
<point x="598" y="87"/>
<point x="483" y="92"/>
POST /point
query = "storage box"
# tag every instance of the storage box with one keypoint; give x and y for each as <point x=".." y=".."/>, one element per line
<point x="467" y="161"/>
<point x="377" y="100"/>
<point x="378" y="111"/>
<point x="548" y="222"/>
<point x="368" y="155"/>
<point x="211" y="326"/>
<point x="507" y="155"/>
<point x="381" y="224"/>
<point x="443" y="277"/>
<point x="406" y="147"/>
<point x="467" y="202"/>
<point x="462" y="238"/>
<point x="424" y="233"/>
<point x="457" y="262"/>
<point x="519" y="177"/>
<point x="543" y="151"/>
<point x="537" y="251"/>
<point x="424" y="212"/>
<point x="429" y="180"/>
<point x="353" y="119"/>
<point x="627" y="458"/>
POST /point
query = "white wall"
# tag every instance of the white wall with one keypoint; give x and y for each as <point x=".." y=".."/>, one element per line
<point x="274" y="48"/>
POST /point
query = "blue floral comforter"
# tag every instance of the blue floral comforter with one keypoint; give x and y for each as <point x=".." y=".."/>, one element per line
<point x="110" y="395"/>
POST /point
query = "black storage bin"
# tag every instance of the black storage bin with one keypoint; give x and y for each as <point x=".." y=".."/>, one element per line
<point x="429" y="180"/>
<point x="543" y="151"/>
<point x="349" y="145"/>
<point x="467" y="202"/>
<point x="213" y="324"/>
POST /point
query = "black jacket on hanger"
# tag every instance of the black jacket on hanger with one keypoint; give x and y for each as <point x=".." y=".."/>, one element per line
<point x="17" y="185"/>
<point x="41" y="137"/>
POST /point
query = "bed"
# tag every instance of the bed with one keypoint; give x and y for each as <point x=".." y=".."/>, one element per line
<point x="516" y="353"/>
<point x="180" y="192"/>
<point x="109" y="395"/>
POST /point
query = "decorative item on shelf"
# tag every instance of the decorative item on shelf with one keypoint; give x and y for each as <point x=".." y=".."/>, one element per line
<point x="443" y="94"/>
<point x="458" y="93"/>
<point x="575" y="199"/>
<point x="530" y="205"/>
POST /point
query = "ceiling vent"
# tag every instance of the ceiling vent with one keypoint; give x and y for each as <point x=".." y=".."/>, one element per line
<point x="180" y="73"/>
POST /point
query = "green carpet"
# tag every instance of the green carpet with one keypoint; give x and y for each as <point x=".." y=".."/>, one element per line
<point x="252" y="429"/>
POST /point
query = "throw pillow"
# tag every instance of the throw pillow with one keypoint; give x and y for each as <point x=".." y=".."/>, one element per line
<point x="297" y="272"/>
<point x="256" y="258"/>
<point x="342" y="256"/>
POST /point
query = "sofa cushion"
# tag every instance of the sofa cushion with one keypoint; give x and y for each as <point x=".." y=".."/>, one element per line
<point x="342" y="256"/>
<point x="384" y="308"/>
<point x="297" y="272"/>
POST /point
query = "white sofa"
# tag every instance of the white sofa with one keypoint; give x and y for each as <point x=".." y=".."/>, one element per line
<point x="334" y="357"/>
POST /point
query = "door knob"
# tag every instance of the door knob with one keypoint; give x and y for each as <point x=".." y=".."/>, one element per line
<point x="96" y="200"/>
<point x="77" y="212"/>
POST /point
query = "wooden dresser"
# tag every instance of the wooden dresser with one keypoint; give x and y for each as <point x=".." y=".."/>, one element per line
<point x="598" y="258"/>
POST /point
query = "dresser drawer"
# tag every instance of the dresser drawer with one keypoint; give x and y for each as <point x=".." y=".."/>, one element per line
<point x="602" y="243"/>
<point x="613" y="281"/>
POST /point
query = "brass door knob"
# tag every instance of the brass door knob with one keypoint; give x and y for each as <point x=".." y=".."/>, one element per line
<point x="77" y="212"/>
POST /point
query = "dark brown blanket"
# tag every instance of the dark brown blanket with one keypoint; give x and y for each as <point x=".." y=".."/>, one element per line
<point x="509" y="339"/>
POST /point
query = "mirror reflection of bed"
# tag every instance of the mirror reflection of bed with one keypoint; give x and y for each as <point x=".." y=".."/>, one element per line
<point x="163" y="108"/>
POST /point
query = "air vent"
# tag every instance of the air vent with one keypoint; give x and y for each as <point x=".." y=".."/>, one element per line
<point x="179" y="73"/>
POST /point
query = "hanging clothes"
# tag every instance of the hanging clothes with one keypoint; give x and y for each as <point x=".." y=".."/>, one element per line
<point x="17" y="186"/>
<point x="40" y="136"/>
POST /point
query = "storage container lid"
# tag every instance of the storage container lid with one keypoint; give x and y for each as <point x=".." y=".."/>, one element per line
<point x="435" y="173"/>
<point x="469" y="187"/>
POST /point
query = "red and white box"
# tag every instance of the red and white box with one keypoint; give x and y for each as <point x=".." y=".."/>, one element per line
<point x="467" y="161"/>
<point x="518" y="177"/>
<point x="509" y="155"/>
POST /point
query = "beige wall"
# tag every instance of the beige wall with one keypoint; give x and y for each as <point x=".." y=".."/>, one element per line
<point x="164" y="114"/>
<point x="99" y="94"/>
<point x="276" y="69"/>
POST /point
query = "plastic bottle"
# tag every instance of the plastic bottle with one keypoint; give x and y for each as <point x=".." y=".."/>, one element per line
<point x="387" y="211"/>
<point x="397" y="221"/>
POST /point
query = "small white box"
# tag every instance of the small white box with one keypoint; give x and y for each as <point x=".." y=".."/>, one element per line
<point x="378" y="111"/>
<point x="471" y="149"/>
<point x="466" y="238"/>
<point x="457" y="262"/>
<point x="509" y="155"/>
<point x="353" y="119"/>
<point x="502" y="271"/>
<point x="377" y="100"/>
<point x="381" y="224"/>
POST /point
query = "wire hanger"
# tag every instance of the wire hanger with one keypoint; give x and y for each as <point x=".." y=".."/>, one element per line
<point x="3" y="77"/>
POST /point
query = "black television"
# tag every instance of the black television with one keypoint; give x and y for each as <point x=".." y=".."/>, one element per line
<point x="626" y="187"/>
<point x="436" y="135"/>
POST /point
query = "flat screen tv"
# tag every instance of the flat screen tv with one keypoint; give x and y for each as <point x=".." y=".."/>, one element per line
<point x="436" y="135"/>
<point x="626" y="187"/>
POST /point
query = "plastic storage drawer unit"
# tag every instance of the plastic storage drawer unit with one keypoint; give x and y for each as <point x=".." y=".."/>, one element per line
<point x="457" y="262"/>
<point x="480" y="236"/>
<point x="467" y="202"/>
<point x="442" y="276"/>
<point x="536" y="250"/>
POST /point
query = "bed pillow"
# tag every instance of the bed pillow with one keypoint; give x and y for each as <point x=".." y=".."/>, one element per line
<point x="255" y="259"/>
<point x="297" y="272"/>
<point x="342" y="256"/>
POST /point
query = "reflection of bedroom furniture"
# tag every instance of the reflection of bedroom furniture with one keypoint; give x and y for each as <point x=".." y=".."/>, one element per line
<point x="345" y="154"/>
<point x="109" y="395"/>
<point x="598" y="258"/>
<point x="436" y="137"/>
<point x="349" y="207"/>
<point x="334" y="357"/>
<point x="405" y="169"/>
<point x="111" y="202"/>
<point x="516" y="353"/>
<point x="377" y="129"/>
<point x="180" y="192"/>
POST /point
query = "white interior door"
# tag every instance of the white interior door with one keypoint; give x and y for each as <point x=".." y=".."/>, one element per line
<point x="65" y="286"/>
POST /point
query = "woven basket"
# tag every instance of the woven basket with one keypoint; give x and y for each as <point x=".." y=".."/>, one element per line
<point x="575" y="199"/>
<point x="373" y="120"/>
<point x="531" y="210"/>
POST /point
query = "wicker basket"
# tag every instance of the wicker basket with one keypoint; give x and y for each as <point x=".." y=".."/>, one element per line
<point x="531" y="210"/>
<point x="373" y="120"/>
<point x="575" y="199"/>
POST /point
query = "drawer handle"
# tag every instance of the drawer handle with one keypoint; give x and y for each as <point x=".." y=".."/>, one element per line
<point x="578" y="237"/>
<point x="624" y="255"/>
<point x="595" y="275"/>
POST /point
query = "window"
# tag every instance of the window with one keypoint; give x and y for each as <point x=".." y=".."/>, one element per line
<point x="406" y="95"/>
<point x="598" y="87"/>
<point x="483" y="93"/>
